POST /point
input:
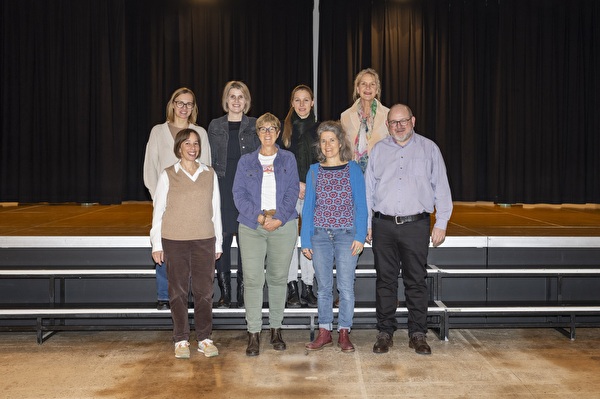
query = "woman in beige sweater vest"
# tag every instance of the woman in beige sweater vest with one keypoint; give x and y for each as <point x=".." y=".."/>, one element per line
<point x="187" y="235"/>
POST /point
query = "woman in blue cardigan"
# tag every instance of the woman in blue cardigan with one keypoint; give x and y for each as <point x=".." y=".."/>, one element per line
<point x="334" y="228"/>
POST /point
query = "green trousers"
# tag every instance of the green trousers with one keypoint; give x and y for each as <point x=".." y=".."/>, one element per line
<point x="275" y="247"/>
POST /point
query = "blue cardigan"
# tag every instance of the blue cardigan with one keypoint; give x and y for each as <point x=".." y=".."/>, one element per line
<point x="357" y="182"/>
<point x="247" y="186"/>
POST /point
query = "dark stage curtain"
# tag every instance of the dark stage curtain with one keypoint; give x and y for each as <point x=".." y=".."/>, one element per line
<point x="508" y="89"/>
<point x="64" y="101"/>
<point x="83" y="82"/>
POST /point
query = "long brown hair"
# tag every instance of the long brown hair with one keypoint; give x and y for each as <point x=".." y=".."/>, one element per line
<point x="286" y="136"/>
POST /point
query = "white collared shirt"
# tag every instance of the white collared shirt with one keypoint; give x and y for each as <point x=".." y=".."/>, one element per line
<point x="160" y="205"/>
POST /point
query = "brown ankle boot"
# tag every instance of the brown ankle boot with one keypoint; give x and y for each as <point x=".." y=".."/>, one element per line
<point x="277" y="340"/>
<point x="322" y="340"/>
<point x="344" y="341"/>
<point x="253" y="348"/>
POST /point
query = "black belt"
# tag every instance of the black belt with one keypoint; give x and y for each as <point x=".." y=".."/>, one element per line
<point x="401" y="219"/>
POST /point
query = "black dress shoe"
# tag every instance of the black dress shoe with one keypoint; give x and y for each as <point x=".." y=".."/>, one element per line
<point x="253" y="348"/>
<point x="276" y="339"/>
<point x="383" y="343"/>
<point x="163" y="305"/>
<point x="418" y="342"/>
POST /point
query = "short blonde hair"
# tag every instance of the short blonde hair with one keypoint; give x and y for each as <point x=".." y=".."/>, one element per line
<point x="236" y="84"/>
<point x="268" y="118"/>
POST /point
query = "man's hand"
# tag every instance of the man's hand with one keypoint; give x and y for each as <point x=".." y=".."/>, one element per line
<point x="437" y="236"/>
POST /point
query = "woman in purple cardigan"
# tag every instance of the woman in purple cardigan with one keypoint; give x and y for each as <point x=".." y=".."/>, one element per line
<point x="265" y="191"/>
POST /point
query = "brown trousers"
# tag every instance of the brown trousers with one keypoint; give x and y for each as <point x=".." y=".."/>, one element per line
<point x="190" y="267"/>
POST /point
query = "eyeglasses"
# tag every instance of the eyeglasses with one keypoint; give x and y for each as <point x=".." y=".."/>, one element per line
<point x="401" y="122"/>
<point x="270" y="129"/>
<point x="181" y="104"/>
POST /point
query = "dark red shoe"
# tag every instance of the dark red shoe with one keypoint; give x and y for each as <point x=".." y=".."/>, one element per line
<point x="322" y="340"/>
<point x="344" y="341"/>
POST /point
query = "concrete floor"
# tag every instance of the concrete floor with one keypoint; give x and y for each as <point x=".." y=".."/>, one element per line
<point x="523" y="363"/>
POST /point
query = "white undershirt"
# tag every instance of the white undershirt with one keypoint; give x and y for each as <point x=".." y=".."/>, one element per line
<point x="268" y="199"/>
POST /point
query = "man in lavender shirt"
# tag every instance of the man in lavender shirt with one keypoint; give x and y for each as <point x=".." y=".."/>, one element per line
<point x="406" y="181"/>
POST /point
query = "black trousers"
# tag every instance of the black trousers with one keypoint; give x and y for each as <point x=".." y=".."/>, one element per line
<point x="401" y="247"/>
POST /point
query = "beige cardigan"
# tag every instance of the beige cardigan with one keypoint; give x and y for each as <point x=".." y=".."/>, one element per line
<point x="160" y="155"/>
<point x="351" y="124"/>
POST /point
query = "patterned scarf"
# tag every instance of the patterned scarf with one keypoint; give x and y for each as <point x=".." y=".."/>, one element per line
<point x="361" y="143"/>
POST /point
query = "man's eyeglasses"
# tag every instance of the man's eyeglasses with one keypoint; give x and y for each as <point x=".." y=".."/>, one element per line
<point x="270" y="129"/>
<point x="401" y="122"/>
<point x="181" y="104"/>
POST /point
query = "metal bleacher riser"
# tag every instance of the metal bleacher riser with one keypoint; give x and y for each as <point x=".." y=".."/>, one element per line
<point x="89" y="282"/>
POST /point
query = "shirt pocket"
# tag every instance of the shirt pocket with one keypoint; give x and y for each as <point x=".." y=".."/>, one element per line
<point x="253" y="173"/>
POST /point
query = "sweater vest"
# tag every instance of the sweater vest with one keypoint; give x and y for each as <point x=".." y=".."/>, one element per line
<point x="188" y="214"/>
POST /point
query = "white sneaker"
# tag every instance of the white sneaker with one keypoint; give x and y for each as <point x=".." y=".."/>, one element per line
<point x="208" y="348"/>
<point x="182" y="350"/>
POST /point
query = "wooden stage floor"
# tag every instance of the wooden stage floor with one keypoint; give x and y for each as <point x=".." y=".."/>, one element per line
<point x="135" y="219"/>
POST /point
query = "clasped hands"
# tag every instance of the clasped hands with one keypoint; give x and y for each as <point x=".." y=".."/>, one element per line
<point x="268" y="222"/>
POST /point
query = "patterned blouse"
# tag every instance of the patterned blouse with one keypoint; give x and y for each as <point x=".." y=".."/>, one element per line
<point x="334" y="207"/>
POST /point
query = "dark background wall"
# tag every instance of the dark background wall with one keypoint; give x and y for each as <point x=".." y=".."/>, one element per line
<point x="507" y="88"/>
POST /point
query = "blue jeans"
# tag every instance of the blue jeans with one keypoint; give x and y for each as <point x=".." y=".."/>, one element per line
<point x="334" y="246"/>
<point x="162" y="283"/>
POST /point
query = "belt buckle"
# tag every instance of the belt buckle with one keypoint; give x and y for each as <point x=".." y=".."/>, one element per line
<point x="398" y="220"/>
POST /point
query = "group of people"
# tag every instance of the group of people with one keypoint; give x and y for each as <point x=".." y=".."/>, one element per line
<point x="366" y="178"/>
